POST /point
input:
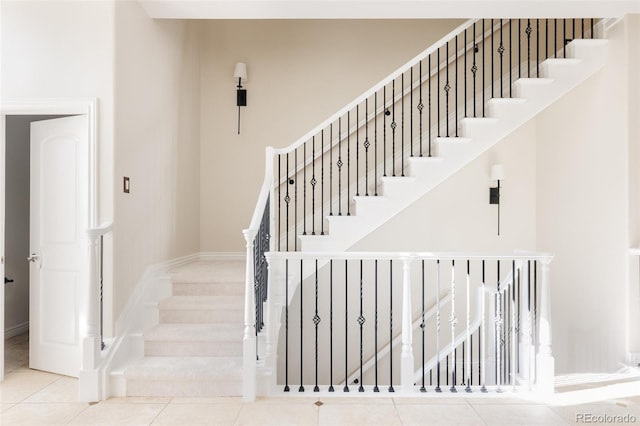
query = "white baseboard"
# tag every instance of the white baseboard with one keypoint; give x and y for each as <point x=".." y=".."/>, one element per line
<point x="16" y="330"/>
<point x="222" y="256"/>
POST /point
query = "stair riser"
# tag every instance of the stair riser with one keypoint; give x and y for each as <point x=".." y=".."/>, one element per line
<point x="193" y="348"/>
<point x="184" y="388"/>
<point x="206" y="289"/>
<point x="201" y="316"/>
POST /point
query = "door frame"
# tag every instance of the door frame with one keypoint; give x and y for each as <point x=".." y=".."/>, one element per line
<point x="88" y="106"/>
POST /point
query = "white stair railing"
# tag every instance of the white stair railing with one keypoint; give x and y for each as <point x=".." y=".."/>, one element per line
<point x="349" y="309"/>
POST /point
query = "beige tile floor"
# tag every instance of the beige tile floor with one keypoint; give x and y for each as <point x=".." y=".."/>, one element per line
<point x="29" y="397"/>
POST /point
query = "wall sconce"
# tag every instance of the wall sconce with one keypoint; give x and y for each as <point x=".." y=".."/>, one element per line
<point x="240" y="73"/>
<point x="497" y="174"/>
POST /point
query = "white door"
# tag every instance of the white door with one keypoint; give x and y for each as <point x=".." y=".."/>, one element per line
<point x="58" y="242"/>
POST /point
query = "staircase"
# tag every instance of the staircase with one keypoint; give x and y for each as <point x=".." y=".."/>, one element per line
<point x="373" y="159"/>
<point x="196" y="349"/>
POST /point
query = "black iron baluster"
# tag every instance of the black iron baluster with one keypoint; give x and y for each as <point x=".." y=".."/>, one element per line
<point x="366" y="147"/>
<point x="375" y="325"/>
<point x="357" y="150"/>
<point x="313" y="186"/>
<point x="384" y="130"/>
<point x="535" y="318"/>
<point x="519" y="48"/>
<point x="361" y="321"/>
<point x="393" y="127"/>
<point x="474" y="68"/>
<point x="438" y="91"/>
<point x="422" y="326"/>
<point x="346" y="325"/>
<point x="546" y="38"/>
<point x="573" y="27"/>
<point x="455" y="121"/>
<point x="453" y="321"/>
<point x="322" y="182"/>
<point x="420" y="105"/>
<point x="410" y="113"/>
<point x="592" y="35"/>
<point x="538" y="48"/>
<point x="497" y="349"/>
<point x="447" y="371"/>
<point x="429" y="95"/>
<point x="501" y="52"/>
<point x="339" y="164"/>
<point x="375" y="143"/>
<point x="481" y="353"/>
<point x="484" y="50"/>
<point x="438" y="389"/>
<point x="287" y="200"/>
<point x="555" y="38"/>
<point x="464" y="51"/>
<point x="316" y="321"/>
<point x="469" y="375"/>
<point x="564" y="38"/>
<point x="331" y="169"/>
<point x="528" y="30"/>
<point x="391" y="326"/>
<point x="286" y="326"/>
<point x="301" y="388"/>
<point x="463" y="376"/>
<point x="402" y="125"/>
<point x="447" y="87"/>
<point x="582" y="28"/>
<point x="492" y="79"/>
<point x="468" y="389"/>
<point x="331" y="325"/>
<point x="348" y="162"/>
<point x="510" y="58"/>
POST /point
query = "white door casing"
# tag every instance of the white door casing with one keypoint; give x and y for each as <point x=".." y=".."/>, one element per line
<point x="58" y="264"/>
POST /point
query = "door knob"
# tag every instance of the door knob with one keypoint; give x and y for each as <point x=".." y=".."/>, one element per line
<point x="33" y="257"/>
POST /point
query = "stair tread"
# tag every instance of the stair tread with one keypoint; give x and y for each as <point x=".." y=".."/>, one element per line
<point x="185" y="368"/>
<point x="202" y="302"/>
<point x="195" y="332"/>
<point x="210" y="271"/>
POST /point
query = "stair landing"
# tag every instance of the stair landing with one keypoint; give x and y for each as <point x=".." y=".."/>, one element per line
<point x="196" y="349"/>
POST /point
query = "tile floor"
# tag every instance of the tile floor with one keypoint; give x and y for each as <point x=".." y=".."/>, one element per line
<point x="29" y="397"/>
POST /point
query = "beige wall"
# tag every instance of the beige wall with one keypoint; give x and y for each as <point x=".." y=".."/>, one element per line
<point x="582" y="215"/>
<point x="299" y="73"/>
<point x="157" y="145"/>
<point x="457" y="216"/>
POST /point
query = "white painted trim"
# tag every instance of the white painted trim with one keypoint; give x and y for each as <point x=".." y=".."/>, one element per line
<point x="384" y="9"/>
<point x="204" y="256"/>
<point x="16" y="330"/>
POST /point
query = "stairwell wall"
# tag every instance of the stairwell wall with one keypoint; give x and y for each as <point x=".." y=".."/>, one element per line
<point x="582" y="199"/>
<point x="157" y="144"/>
<point x="299" y="73"/>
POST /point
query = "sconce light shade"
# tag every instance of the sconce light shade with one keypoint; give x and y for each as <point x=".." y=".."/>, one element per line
<point x="497" y="172"/>
<point x="240" y="71"/>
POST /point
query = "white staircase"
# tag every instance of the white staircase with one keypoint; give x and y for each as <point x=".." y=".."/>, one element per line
<point x="504" y="115"/>
<point x="196" y="349"/>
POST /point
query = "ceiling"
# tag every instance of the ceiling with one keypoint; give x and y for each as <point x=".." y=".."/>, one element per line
<point x="388" y="9"/>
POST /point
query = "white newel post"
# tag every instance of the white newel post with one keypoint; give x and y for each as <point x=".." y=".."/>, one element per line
<point x="89" y="378"/>
<point x="546" y="363"/>
<point x="407" y="366"/>
<point x="249" y="336"/>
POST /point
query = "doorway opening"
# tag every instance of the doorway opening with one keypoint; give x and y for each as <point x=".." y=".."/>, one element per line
<point x="16" y="225"/>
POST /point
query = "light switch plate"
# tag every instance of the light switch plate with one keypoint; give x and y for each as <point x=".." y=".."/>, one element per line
<point x="126" y="187"/>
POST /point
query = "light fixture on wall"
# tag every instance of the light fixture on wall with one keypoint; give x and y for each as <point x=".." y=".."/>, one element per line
<point x="240" y="73"/>
<point x="497" y="174"/>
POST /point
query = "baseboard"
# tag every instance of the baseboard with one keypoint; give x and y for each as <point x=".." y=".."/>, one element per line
<point x="222" y="256"/>
<point x="16" y="330"/>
